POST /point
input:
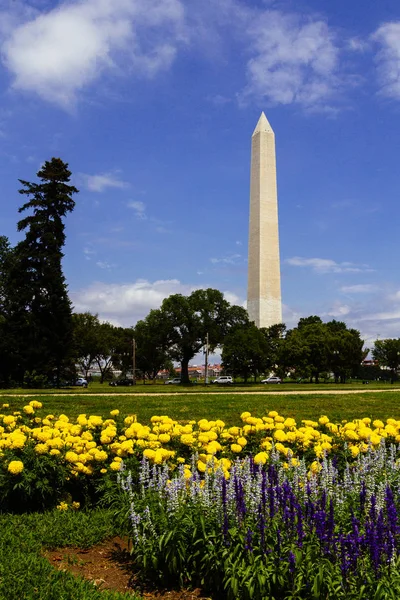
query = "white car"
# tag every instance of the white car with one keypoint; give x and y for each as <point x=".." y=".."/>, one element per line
<point x="174" y="381"/>
<point x="82" y="382"/>
<point x="272" y="380"/>
<point x="223" y="379"/>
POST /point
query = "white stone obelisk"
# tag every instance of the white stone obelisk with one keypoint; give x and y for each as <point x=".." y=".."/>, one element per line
<point x="264" y="303"/>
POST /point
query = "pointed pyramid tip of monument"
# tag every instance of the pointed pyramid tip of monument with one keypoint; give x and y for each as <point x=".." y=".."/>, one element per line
<point x="263" y="125"/>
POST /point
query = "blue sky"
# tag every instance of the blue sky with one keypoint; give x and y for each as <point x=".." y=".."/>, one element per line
<point x="153" y="103"/>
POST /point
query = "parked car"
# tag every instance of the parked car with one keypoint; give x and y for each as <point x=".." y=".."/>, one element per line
<point x="174" y="381"/>
<point x="118" y="382"/>
<point x="81" y="382"/>
<point x="272" y="380"/>
<point x="223" y="379"/>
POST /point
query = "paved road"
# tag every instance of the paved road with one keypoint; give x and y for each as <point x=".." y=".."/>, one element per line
<point x="219" y="392"/>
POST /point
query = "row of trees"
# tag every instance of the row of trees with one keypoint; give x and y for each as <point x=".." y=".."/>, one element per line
<point x="42" y="340"/>
<point x="310" y="350"/>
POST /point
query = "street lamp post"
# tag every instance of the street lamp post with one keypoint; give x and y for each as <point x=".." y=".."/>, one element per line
<point x="206" y="362"/>
<point x="133" y="361"/>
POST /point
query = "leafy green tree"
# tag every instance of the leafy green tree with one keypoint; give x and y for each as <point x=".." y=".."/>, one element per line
<point x="345" y="350"/>
<point x="38" y="307"/>
<point x="122" y="358"/>
<point x="151" y="344"/>
<point x="387" y="353"/>
<point x="6" y="340"/>
<point x="107" y="350"/>
<point x="188" y="319"/>
<point x="245" y="351"/>
<point x="86" y="340"/>
<point x="275" y="339"/>
<point x="313" y="348"/>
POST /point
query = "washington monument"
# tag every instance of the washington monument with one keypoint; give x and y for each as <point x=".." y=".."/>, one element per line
<point x="264" y="303"/>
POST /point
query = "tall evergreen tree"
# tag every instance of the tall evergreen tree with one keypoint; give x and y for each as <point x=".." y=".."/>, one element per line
<point x="39" y="310"/>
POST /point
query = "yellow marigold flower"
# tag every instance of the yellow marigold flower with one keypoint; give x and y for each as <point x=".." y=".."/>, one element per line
<point x="76" y="505"/>
<point x="204" y="425"/>
<point x="201" y="466"/>
<point x="149" y="454"/>
<point x="351" y="435"/>
<point x="62" y="506"/>
<point x="180" y="460"/>
<point x="315" y="467"/>
<point x="323" y="420"/>
<point x="114" y="413"/>
<point x="355" y="451"/>
<point x="188" y="440"/>
<point x="220" y="423"/>
<point x="15" y="467"/>
<point x="280" y="426"/>
<point x="272" y="414"/>
<point x="6" y="406"/>
<point x="102" y="471"/>
<point x="289" y="422"/>
<point x="54" y="452"/>
<point x="71" y="457"/>
<point x="247" y="429"/>
<point x="63" y="418"/>
<point x="242" y="441"/>
<point x="41" y="448"/>
<point x="245" y="415"/>
<point x="234" y="430"/>
<point x="236" y="448"/>
<point x="280" y="436"/>
<point x="35" y="404"/>
<point x="164" y="438"/>
<point x="225" y="463"/>
<point x="115" y="466"/>
<point x="261" y="458"/>
<point x="28" y="410"/>
<point x="279" y="419"/>
<point x="378" y="424"/>
<point x="213" y="447"/>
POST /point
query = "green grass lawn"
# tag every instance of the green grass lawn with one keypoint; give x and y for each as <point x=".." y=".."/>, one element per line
<point x="160" y="388"/>
<point x="226" y="404"/>
<point x="27" y="575"/>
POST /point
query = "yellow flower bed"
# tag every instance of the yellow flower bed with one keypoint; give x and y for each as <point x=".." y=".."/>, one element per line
<point x="91" y="444"/>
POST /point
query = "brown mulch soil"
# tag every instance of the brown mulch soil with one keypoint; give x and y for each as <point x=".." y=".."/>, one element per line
<point x="109" y="566"/>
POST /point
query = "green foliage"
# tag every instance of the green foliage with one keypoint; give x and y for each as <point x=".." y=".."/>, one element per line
<point x="387" y="353"/>
<point x="179" y="328"/>
<point x="245" y="352"/>
<point x="188" y="549"/>
<point x="36" y="306"/>
<point x="27" y="575"/>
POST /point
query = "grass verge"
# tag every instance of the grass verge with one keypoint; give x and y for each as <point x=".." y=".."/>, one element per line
<point x="26" y="575"/>
<point x="226" y="406"/>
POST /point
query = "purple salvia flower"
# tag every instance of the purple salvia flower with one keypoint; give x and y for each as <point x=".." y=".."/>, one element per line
<point x="292" y="562"/>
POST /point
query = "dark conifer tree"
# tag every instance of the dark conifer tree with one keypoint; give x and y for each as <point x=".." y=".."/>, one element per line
<point x="39" y="308"/>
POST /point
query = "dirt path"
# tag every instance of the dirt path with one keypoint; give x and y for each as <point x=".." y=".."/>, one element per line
<point x="225" y="392"/>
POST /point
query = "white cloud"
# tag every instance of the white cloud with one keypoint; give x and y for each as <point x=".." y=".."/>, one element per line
<point x="103" y="264"/>
<point x="388" y="58"/>
<point x="361" y="288"/>
<point x="127" y="303"/>
<point x="228" y="260"/>
<point x="339" y="310"/>
<point x="294" y="60"/>
<point x="139" y="208"/>
<point x="58" y="53"/>
<point x="102" y="181"/>
<point x="326" y="265"/>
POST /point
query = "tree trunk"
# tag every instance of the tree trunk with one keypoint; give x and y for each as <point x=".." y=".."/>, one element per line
<point x="185" y="371"/>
